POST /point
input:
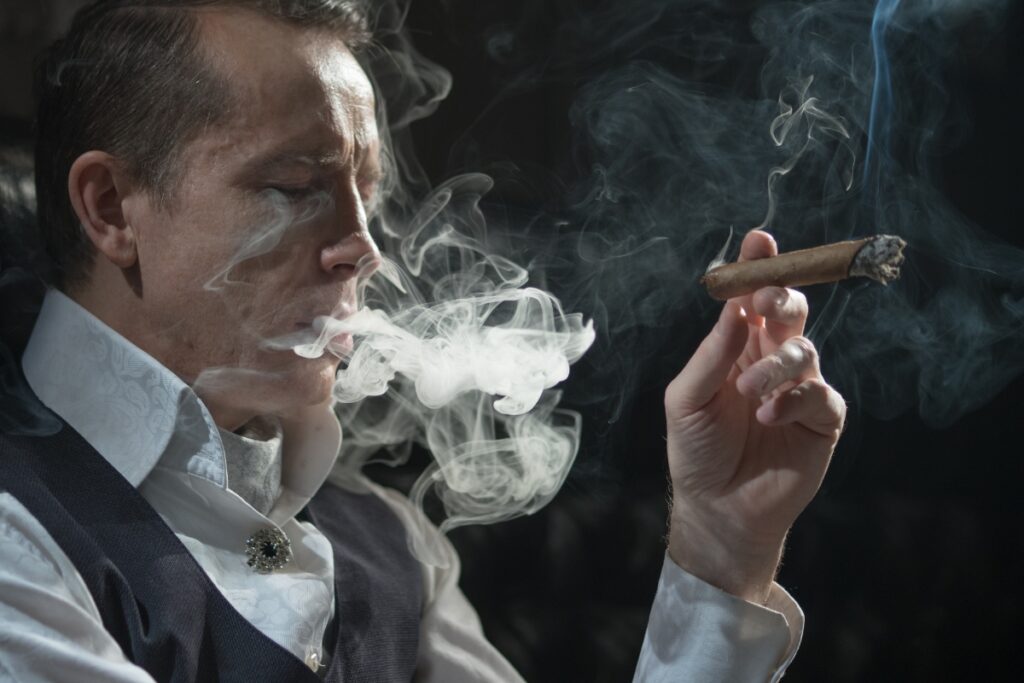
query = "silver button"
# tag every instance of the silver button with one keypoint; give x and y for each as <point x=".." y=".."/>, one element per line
<point x="313" y="660"/>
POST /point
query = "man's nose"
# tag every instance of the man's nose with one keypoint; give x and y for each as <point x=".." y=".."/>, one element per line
<point x="353" y="253"/>
<point x="356" y="254"/>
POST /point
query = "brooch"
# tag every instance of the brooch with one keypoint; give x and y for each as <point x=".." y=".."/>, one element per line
<point x="268" y="550"/>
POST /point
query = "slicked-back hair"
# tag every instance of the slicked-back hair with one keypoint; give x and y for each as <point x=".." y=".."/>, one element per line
<point x="130" y="79"/>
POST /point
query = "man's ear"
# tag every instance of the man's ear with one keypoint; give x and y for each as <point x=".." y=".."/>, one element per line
<point x="98" y="187"/>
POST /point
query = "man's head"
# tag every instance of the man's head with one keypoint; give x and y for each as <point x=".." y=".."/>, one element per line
<point x="202" y="175"/>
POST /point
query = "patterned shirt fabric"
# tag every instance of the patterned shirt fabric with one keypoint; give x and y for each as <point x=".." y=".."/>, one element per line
<point x="253" y="458"/>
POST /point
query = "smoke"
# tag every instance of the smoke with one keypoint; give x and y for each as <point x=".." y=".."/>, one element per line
<point x="819" y="121"/>
<point x="456" y="350"/>
<point x="815" y="121"/>
<point x="947" y="339"/>
<point x="453" y="326"/>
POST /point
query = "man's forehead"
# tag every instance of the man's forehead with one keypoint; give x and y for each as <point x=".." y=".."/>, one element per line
<point x="271" y="60"/>
<point x="300" y="96"/>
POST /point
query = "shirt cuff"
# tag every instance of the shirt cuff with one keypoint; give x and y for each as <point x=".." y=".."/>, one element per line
<point x="697" y="632"/>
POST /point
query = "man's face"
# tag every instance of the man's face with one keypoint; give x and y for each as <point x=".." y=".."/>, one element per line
<point x="267" y="229"/>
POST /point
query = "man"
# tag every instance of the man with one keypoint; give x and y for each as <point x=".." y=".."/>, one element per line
<point x="175" y="528"/>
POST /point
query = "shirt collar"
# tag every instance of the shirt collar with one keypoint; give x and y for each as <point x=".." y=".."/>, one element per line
<point x="137" y="413"/>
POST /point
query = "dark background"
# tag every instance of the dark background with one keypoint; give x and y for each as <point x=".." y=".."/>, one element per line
<point x="906" y="564"/>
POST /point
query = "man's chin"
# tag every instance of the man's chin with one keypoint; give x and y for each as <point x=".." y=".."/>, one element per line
<point x="309" y="382"/>
<point x="282" y="390"/>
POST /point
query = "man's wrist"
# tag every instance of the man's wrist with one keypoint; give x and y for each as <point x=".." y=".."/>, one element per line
<point x="740" y="566"/>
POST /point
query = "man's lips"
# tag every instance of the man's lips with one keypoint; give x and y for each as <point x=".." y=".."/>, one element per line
<point x="312" y="338"/>
<point x="341" y="344"/>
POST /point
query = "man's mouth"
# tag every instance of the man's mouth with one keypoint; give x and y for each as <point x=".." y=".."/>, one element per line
<point x="312" y="338"/>
<point x="341" y="344"/>
<point x="325" y="335"/>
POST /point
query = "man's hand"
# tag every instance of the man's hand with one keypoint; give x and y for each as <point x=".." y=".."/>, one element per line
<point x="751" y="428"/>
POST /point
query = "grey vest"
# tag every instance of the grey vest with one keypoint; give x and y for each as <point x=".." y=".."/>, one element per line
<point x="164" y="611"/>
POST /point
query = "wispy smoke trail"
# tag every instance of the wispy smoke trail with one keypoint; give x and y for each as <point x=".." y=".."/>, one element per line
<point x="467" y="354"/>
<point x="673" y="122"/>
<point x="818" y="122"/>
<point x="457" y="350"/>
<point x="948" y="338"/>
<point x="881" y="96"/>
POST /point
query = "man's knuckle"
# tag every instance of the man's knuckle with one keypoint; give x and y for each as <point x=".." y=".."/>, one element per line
<point x="817" y="388"/>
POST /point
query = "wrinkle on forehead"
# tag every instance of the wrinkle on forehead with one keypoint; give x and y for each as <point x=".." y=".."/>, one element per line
<point x="349" y="92"/>
<point x="289" y="82"/>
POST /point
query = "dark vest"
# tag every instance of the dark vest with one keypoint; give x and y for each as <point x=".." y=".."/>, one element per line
<point x="164" y="611"/>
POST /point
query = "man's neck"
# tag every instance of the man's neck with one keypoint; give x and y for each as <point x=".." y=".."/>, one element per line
<point x="228" y="419"/>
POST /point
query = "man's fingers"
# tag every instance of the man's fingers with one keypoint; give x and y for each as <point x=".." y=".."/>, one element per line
<point x="795" y="360"/>
<point x="756" y="244"/>
<point x="812" y="403"/>
<point x="784" y="312"/>
<point x="709" y="367"/>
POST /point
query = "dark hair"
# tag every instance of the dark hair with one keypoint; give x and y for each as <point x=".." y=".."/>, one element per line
<point x="130" y="79"/>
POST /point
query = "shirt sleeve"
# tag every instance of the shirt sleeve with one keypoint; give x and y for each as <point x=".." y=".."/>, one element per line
<point x="697" y="632"/>
<point x="453" y="647"/>
<point x="50" y="628"/>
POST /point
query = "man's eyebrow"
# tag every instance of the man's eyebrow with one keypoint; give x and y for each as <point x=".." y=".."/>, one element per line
<point x="334" y="160"/>
<point x="277" y="159"/>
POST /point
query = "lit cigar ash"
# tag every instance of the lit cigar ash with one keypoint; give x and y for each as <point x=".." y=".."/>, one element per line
<point x="877" y="257"/>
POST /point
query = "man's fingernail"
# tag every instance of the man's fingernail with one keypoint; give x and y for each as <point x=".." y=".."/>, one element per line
<point x="758" y="386"/>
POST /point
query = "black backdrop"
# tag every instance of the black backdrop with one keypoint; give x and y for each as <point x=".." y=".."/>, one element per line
<point x="906" y="564"/>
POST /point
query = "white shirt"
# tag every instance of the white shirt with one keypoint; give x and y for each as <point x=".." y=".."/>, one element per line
<point x="156" y="432"/>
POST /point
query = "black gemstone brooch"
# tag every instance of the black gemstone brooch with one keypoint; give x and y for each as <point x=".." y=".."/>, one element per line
<point x="268" y="550"/>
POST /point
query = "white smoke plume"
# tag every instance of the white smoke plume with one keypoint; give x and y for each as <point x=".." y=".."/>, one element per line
<point x="463" y="355"/>
<point x="454" y="348"/>
<point x="458" y="348"/>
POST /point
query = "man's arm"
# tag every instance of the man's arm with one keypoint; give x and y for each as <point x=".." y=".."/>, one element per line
<point x="50" y="628"/>
<point x="697" y="632"/>
<point x="751" y="428"/>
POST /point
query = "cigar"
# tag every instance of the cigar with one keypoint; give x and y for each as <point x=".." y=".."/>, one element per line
<point x="877" y="257"/>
